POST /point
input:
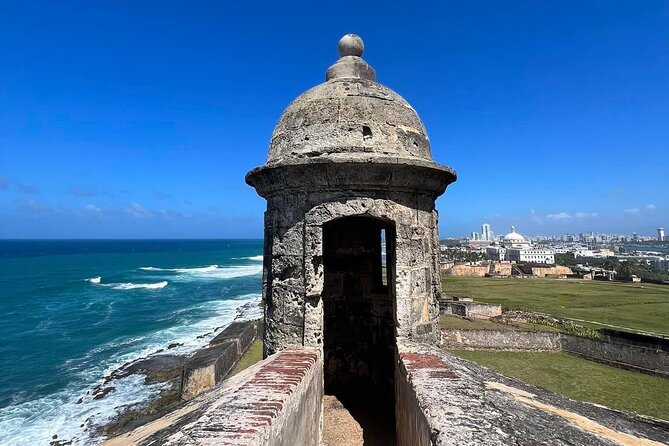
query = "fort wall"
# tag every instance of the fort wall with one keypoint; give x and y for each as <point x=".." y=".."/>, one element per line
<point x="501" y="340"/>
<point x="620" y="354"/>
<point x="274" y="402"/>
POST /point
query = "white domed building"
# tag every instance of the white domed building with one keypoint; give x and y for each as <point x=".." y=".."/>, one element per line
<point x="513" y="239"/>
<point x="516" y="248"/>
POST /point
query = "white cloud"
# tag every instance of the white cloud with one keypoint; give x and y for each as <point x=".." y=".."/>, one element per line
<point x="651" y="207"/>
<point x="586" y="214"/>
<point x="559" y="216"/>
<point x="633" y="211"/>
<point x="138" y="211"/>
<point x="535" y="218"/>
<point x="93" y="210"/>
<point x="37" y="208"/>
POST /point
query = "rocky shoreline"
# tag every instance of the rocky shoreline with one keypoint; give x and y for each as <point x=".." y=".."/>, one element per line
<point x="160" y="368"/>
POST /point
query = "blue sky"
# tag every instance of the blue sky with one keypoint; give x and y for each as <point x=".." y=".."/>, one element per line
<point x="140" y="119"/>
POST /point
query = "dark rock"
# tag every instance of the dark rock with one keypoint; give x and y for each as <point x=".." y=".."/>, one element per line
<point x="101" y="392"/>
<point x="158" y="368"/>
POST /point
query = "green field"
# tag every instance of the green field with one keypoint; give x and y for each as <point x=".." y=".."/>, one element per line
<point x="250" y="357"/>
<point x="580" y="379"/>
<point x="638" y="307"/>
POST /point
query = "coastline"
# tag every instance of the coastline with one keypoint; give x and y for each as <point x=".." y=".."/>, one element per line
<point x="161" y="372"/>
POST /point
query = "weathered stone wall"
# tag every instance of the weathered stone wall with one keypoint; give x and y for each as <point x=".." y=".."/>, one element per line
<point x="276" y="402"/>
<point x="470" y="309"/>
<point x="412" y="426"/>
<point x="502" y="268"/>
<point x="468" y="270"/>
<point x="638" y="339"/>
<point x="294" y="253"/>
<point x="501" y="340"/>
<point x="462" y="403"/>
<point x="212" y="364"/>
<point x="543" y="271"/>
<point x="618" y="354"/>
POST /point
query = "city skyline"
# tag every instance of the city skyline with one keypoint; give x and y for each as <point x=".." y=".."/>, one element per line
<point x="126" y="121"/>
<point x="658" y="235"/>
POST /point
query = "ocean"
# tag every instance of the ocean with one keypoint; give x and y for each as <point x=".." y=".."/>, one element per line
<point x="73" y="311"/>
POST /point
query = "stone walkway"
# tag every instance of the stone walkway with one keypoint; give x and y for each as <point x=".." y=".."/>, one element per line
<point x="358" y="422"/>
<point x="339" y="426"/>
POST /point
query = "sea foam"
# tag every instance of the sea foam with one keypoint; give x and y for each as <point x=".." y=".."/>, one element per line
<point x="137" y="286"/>
<point x="211" y="272"/>
<point x="254" y="258"/>
<point x="73" y="414"/>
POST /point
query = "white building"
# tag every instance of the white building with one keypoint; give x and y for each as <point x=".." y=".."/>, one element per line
<point x="485" y="232"/>
<point x="660" y="234"/>
<point x="516" y="248"/>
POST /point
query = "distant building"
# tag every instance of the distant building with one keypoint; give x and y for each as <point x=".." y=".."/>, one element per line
<point x="514" y="247"/>
<point x="486" y="235"/>
<point x="475" y="236"/>
<point x="660" y="234"/>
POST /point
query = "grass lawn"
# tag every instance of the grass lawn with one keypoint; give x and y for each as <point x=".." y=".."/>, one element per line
<point x="252" y="355"/>
<point x="458" y="323"/>
<point x="580" y="379"/>
<point x="642" y="307"/>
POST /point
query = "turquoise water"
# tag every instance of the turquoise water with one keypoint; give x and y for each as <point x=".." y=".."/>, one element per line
<point x="74" y="311"/>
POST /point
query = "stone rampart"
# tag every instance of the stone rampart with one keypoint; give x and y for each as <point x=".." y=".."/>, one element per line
<point x="212" y="364"/>
<point x="638" y="339"/>
<point x="274" y="402"/>
<point x="444" y="400"/>
<point x="543" y="271"/>
<point x="501" y="340"/>
<point x="470" y="309"/>
<point x="467" y="270"/>
<point x="502" y="268"/>
<point x="617" y="354"/>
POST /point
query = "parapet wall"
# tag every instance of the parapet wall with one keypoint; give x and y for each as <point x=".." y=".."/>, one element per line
<point x="412" y="426"/>
<point x="274" y="402"/>
<point x="620" y="354"/>
<point x="629" y="356"/>
<point x="467" y="270"/>
<point x="470" y="309"/>
<point x="501" y="340"/>
<point x="444" y="400"/>
<point x="212" y="364"/>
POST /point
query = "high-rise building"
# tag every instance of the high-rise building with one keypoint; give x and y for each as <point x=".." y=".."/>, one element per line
<point x="660" y="234"/>
<point x="485" y="232"/>
<point x="475" y="235"/>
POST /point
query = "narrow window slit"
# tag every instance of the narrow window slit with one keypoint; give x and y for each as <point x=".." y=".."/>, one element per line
<point x="366" y="133"/>
<point x="384" y="264"/>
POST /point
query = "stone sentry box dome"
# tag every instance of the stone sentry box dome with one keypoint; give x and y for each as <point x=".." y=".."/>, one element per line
<point x="351" y="254"/>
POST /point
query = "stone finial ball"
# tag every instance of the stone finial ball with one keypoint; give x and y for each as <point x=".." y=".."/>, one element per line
<point x="350" y="45"/>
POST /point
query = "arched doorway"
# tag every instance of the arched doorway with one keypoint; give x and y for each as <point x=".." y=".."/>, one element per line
<point x="359" y="321"/>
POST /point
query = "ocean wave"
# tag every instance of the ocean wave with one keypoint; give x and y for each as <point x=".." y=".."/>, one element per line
<point x="95" y="279"/>
<point x="258" y="258"/>
<point x="202" y="269"/>
<point x="136" y="286"/>
<point x="73" y="414"/>
<point x="211" y="272"/>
